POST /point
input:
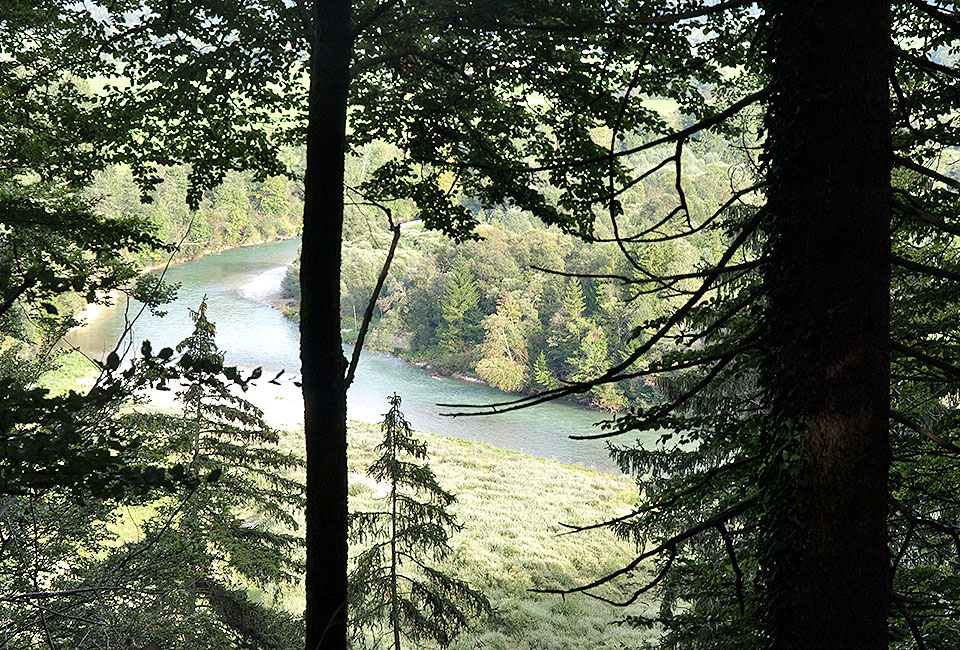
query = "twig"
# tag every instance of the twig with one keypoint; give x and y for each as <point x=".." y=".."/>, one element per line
<point x="671" y="543"/>
<point x="926" y="171"/>
<point x="900" y="418"/>
<point x="731" y="551"/>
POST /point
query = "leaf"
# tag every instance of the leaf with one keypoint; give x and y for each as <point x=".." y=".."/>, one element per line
<point x="113" y="361"/>
<point x="214" y="475"/>
<point x="146" y="349"/>
<point x="50" y="309"/>
<point x="256" y="373"/>
<point x="165" y="353"/>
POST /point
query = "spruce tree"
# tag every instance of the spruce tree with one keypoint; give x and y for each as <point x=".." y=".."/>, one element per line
<point x="459" y="307"/>
<point x="395" y="584"/>
<point x="236" y="531"/>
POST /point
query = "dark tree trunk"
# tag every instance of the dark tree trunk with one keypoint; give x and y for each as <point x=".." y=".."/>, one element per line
<point x="321" y="355"/>
<point x="829" y="155"/>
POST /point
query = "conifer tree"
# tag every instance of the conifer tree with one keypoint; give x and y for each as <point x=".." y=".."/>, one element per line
<point x="459" y="306"/>
<point x="236" y="530"/>
<point x="395" y="584"/>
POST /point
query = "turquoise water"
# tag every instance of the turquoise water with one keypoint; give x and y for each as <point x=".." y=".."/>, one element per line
<point x="252" y="333"/>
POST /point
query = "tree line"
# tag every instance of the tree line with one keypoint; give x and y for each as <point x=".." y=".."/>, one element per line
<point x="239" y="211"/>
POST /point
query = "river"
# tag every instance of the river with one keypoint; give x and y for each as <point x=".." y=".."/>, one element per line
<point x="251" y="333"/>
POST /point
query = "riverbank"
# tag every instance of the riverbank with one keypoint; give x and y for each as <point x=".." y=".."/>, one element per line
<point x="92" y="310"/>
<point x="179" y="259"/>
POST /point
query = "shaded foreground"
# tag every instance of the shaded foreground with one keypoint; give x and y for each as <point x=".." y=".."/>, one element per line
<point x="511" y="505"/>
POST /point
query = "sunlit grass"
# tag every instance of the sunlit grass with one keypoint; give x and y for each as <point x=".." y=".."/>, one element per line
<point x="72" y="371"/>
<point x="511" y="506"/>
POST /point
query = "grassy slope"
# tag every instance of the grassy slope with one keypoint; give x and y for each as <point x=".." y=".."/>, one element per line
<point x="511" y="504"/>
<point x="74" y="371"/>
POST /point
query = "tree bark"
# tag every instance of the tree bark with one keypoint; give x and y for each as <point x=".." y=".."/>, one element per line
<point x="321" y="354"/>
<point x="829" y="158"/>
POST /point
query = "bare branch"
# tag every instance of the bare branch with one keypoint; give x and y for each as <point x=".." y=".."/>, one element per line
<point x="671" y="544"/>
<point x="633" y="597"/>
<point x="923" y="215"/>
<point x="706" y="123"/>
<point x="932" y="524"/>
<point x="596" y="276"/>
<point x="900" y="418"/>
<point x="920" y="169"/>
<point x="926" y="63"/>
<point x="912" y="624"/>
<point x="708" y="476"/>
<point x="612" y="373"/>
<point x="28" y="282"/>
<point x="666" y="409"/>
<point x="43" y="595"/>
<point x="731" y="551"/>
<point x="937" y="14"/>
<point x="368" y="313"/>
<point x="924" y="269"/>
<point x="919" y="355"/>
<point x="642" y="238"/>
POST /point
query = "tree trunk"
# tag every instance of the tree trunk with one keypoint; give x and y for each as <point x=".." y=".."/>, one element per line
<point x="321" y="354"/>
<point x="829" y="156"/>
<point x="394" y="603"/>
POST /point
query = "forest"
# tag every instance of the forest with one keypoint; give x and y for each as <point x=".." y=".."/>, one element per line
<point x="725" y="229"/>
<point x="524" y="306"/>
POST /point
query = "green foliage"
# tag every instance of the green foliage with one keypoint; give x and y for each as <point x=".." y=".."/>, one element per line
<point x="394" y="585"/>
<point x="458" y="307"/>
<point x="731" y="466"/>
<point x="241" y="210"/>
<point x="194" y="554"/>
<point x="504" y="350"/>
<point x="55" y="254"/>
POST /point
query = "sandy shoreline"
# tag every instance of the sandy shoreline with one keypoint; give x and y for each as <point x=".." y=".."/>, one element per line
<point x="92" y="310"/>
